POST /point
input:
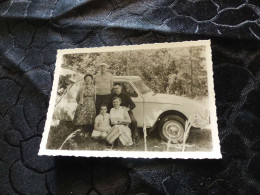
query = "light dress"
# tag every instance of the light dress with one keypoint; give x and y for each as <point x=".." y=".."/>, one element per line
<point x="122" y="132"/>
<point x="102" y="121"/>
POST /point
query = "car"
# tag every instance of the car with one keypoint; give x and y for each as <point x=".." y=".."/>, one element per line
<point x="165" y="112"/>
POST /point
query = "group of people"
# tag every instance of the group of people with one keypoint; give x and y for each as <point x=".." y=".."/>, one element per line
<point x="104" y="111"/>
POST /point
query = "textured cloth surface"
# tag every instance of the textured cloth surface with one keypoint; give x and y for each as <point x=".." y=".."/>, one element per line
<point x="32" y="30"/>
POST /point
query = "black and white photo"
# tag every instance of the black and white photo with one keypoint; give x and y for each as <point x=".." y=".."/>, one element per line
<point x="141" y="101"/>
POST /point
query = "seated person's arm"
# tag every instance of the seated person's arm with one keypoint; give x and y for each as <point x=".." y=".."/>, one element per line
<point x="114" y="121"/>
<point x="110" y="122"/>
<point x="131" y="104"/>
<point x="96" y="126"/>
<point x="127" y="119"/>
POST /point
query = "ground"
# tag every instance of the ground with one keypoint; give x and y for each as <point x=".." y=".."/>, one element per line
<point x="198" y="140"/>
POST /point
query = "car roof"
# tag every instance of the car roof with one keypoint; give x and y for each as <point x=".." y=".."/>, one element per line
<point x="126" y="78"/>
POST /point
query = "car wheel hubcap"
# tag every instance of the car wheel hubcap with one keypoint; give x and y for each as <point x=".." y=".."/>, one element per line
<point x="173" y="130"/>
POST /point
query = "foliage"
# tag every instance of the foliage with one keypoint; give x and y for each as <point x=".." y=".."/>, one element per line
<point x="64" y="81"/>
<point x="180" y="71"/>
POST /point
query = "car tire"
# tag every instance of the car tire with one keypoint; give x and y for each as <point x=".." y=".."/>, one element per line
<point x="172" y="127"/>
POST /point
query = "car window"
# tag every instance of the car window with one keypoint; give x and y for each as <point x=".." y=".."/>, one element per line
<point x="130" y="90"/>
<point x="127" y="88"/>
<point x="141" y="87"/>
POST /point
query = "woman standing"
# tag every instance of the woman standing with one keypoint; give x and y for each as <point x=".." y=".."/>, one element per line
<point x="120" y="120"/>
<point x="86" y="111"/>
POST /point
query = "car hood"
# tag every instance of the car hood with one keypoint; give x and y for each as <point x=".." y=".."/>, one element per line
<point x="195" y="110"/>
<point x="169" y="99"/>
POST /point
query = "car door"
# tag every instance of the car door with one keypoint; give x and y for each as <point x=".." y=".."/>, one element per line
<point x="137" y="99"/>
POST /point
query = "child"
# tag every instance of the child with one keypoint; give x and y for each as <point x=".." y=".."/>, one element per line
<point x="102" y="123"/>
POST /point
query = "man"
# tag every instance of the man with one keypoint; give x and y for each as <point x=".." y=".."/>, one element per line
<point x="103" y="82"/>
<point x="129" y="105"/>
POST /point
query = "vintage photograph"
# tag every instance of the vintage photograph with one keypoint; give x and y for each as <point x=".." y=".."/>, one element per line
<point x="148" y="101"/>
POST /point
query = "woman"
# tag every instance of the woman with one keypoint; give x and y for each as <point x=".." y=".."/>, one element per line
<point x="120" y="120"/>
<point x="86" y="111"/>
<point x="102" y="123"/>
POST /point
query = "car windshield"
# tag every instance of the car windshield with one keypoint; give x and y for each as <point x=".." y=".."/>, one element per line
<point x="142" y="88"/>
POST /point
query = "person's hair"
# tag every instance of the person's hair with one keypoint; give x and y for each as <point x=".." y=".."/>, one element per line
<point x="116" y="97"/>
<point x="103" y="105"/>
<point x="88" y="75"/>
<point x="118" y="84"/>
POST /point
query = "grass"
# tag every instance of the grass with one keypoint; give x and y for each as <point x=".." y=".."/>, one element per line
<point x="198" y="140"/>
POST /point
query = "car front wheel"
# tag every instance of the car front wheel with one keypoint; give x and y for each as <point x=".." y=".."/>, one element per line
<point x="172" y="128"/>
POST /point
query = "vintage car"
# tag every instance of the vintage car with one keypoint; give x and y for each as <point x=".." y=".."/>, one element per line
<point x="164" y="112"/>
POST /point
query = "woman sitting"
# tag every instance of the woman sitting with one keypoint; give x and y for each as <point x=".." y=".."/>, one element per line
<point x="120" y="120"/>
<point x="102" y="123"/>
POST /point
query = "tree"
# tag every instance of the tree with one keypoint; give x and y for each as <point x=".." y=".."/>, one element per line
<point x="180" y="71"/>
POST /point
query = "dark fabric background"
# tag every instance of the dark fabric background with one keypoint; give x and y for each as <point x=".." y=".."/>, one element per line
<point x="32" y="30"/>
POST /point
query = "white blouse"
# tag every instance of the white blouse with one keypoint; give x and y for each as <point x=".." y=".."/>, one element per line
<point x="119" y="114"/>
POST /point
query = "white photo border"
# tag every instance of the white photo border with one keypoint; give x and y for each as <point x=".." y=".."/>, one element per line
<point x="214" y="154"/>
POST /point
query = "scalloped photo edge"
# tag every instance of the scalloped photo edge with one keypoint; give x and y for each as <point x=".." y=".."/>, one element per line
<point x="175" y="119"/>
